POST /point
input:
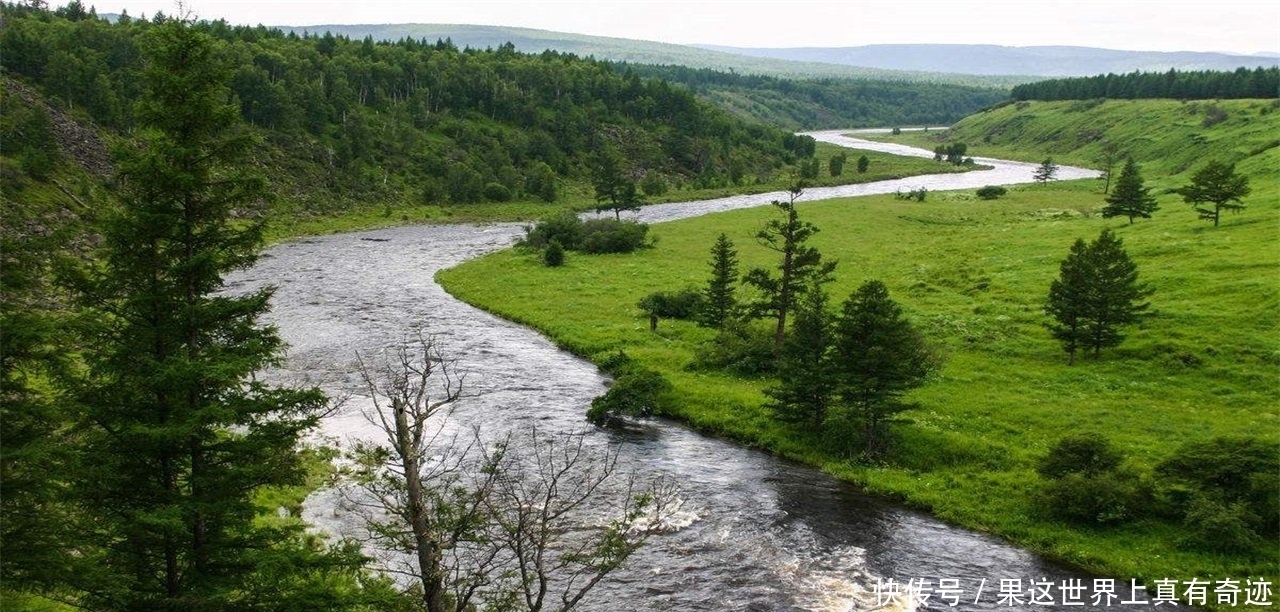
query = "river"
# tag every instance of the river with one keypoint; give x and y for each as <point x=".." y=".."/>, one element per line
<point x="759" y="533"/>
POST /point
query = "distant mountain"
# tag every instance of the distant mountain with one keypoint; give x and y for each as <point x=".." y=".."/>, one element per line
<point x="997" y="60"/>
<point x="641" y="52"/>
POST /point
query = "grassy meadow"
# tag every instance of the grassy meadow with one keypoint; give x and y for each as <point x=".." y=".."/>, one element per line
<point x="973" y="275"/>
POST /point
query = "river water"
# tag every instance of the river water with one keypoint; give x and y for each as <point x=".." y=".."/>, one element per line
<point x="757" y="532"/>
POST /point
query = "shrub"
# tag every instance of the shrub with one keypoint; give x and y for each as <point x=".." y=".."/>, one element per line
<point x="496" y="192"/>
<point x="1085" y="483"/>
<point x="612" y="236"/>
<point x="992" y="192"/>
<point x="1229" y="471"/>
<point x="1089" y="454"/>
<point x="1220" y="528"/>
<point x="636" y="391"/>
<point x="740" y="349"/>
<point x="1107" y="498"/>
<point x="565" y="228"/>
<point x="553" y="256"/>
<point x="683" y="304"/>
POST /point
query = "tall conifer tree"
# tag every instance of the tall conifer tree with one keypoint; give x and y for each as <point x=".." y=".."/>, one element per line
<point x="178" y="434"/>
<point x="721" y="303"/>
<point x="1131" y="198"/>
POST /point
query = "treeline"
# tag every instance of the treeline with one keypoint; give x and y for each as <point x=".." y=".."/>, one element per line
<point x="829" y="103"/>
<point x="410" y="119"/>
<point x="1186" y="85"/>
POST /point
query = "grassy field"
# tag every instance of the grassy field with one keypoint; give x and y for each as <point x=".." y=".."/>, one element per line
<point x="973" y="275"/>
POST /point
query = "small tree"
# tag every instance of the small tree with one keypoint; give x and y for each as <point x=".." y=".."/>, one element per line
<point x="1219" y="185"/>
<point x="863" y="164"/>
<point x="805" y="387"/>
<point x="721" y="303"/>
<point x="879" y="356"/>
<point x="801" y="266"/>
<point x="991" y="192"/>
<point x="1130" y="198"/>
<point x="1096" y="293"/>
<point x="1107" y="158"/>
<point x="1046" y="171"/>
<point x="836" y="165"/>
<point x="553" y="256"/>
<point x="614" y="191"/>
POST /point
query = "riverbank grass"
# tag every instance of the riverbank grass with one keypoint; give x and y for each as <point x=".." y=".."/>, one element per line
<point x="973" y="275"/>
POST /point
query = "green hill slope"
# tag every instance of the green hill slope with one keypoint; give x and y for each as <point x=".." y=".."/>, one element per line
<point x="1167" y="138"/>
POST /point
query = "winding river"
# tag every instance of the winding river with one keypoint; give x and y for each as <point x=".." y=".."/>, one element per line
<point x="759" y="533"/>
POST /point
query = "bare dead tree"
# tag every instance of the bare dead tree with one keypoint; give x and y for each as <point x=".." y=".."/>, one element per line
<point x="567" y="521"/>
<point x="427" y="511"/>
<point x="490" y="527"/>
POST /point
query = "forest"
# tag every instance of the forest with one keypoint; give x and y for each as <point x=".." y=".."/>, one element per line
<point x="345" y="120"/>
<point x="1243" y="83"/>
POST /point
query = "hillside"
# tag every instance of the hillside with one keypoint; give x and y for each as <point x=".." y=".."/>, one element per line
<point x="342" y="123"/>
<point x="973" y="275"/>
<point x="1000" y="60"/>
<point x="1168" y="138"/>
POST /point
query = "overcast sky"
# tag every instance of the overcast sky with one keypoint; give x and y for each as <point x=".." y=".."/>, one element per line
<point x="1239" y="26"/>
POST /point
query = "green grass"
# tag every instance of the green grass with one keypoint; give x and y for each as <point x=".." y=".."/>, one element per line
<point x="973" y="275"/>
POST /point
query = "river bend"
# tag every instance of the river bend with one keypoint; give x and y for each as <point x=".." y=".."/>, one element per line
<point x="759" y="533"/>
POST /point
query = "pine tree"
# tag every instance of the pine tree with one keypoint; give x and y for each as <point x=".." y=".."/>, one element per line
<point x="1130" y="199"/>
<point x="879" y="356"/>
<point x="800" y="267"/>
<point x="1218" y="184"/>
<point x="178" y="434"/>
<point x="1046" y="171"/>
<point x="1068" y="297"/>
<point x="806" y="388"/>
<point x="720" y="303"/>
<point x="1096" y="292"/>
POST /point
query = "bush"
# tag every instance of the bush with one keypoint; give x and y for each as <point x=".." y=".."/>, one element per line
<point x="636" y="391"/>
<point x="1088" y="454"/>
<point x="684" y="304"/>
<point x="553" y="256"/>
<point x="740" y="349"/>
<point x="1107" y="498"/>
<point x="496" y="192"/>
<point x="612" y="236"/>
<point x="565" y="228"/>
<point x="1229" y="471"/>
<point x="992" y="192"/>
<point x="1220" y="528"/>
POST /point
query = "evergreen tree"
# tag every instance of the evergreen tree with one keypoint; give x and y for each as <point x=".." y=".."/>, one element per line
<point x="1095" y="294"/>
<point x="1130" y="198"/>
<point x="805" y="388"/>
<point x="1219" y="185"/>
<point x="863" y="164"/>
<point x="1068" y="297"/>
<point x="801" y="266"/>
<point x="1046" y="171"/>
<point x="178" y="434"/>
<point x="879" y="356"/>
<point x="720" y="303"/>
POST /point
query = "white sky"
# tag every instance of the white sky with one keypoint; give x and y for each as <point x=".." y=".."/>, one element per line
<point x="1239" y="26"/>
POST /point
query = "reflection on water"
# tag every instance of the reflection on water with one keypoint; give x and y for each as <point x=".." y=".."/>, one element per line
<point x="757" y="533"/>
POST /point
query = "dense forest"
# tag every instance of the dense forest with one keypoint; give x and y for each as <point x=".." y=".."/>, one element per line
<point x="830" y="102"/>
<point x="345" y="120"/>
<point x="1243" y="83"/>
